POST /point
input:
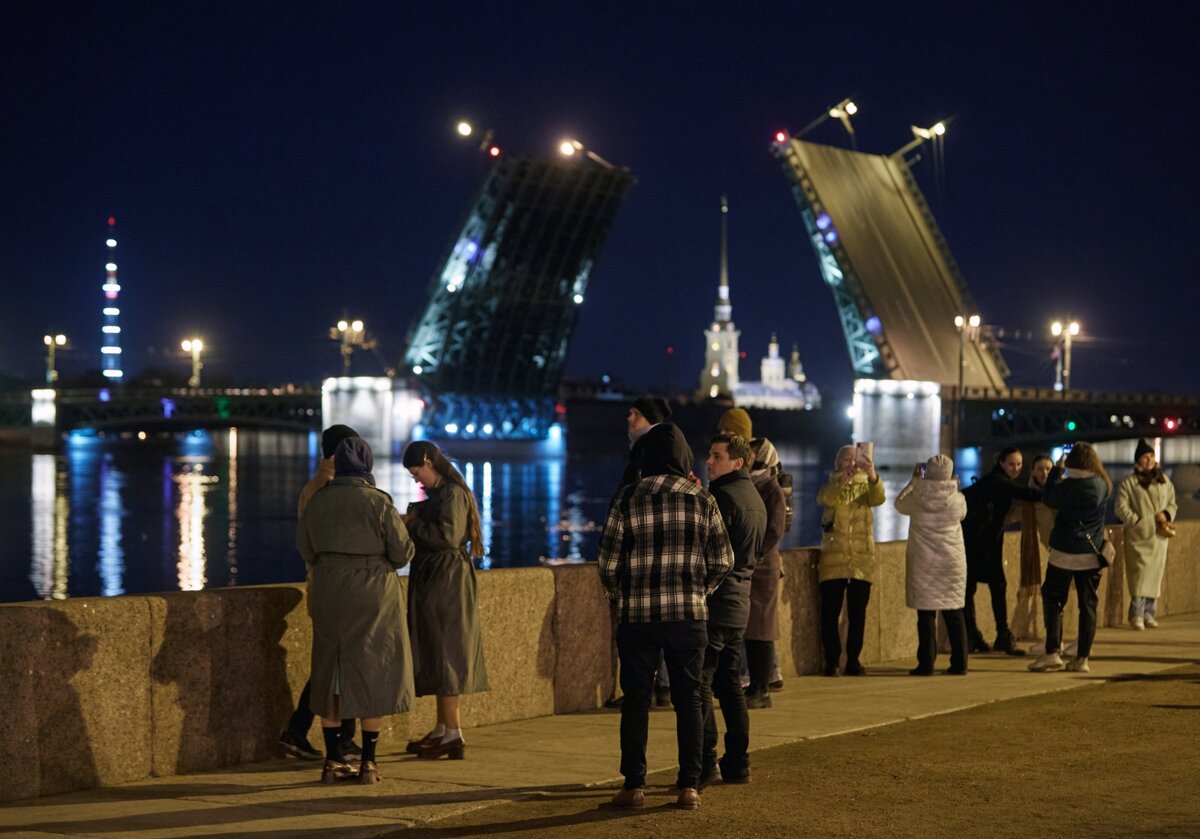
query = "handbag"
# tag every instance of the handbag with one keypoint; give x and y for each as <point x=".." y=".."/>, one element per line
<point x="1106" y="552"/>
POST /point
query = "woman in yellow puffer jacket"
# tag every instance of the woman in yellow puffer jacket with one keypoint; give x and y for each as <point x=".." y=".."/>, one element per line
<point x="847" y="563"/>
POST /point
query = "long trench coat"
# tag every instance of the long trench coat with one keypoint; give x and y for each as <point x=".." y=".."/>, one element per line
<point x="763" y="622"/>
<point x="1145" y="550"/>
<point x="443" y="604"/>
<point x="353" y="541"/>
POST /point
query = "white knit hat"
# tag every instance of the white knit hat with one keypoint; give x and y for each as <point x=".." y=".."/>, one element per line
<point x="939" y="468"/>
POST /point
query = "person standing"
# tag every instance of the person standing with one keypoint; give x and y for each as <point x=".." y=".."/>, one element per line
<point x="443" y="603"/>
<point x="762" y="626"/>
<point x="935" y="578"/>
<point x="294" y="738"/>
<point x="663" y="551"/>
<point x="745" y="519"/>
<point x="1078" y="487"/>
<point x="353" y="539"/>
<point x="645" y="413"/>
<point x="988" y="501"/>
<point x="1146" y="505"/>
<point x="847" y="563"/>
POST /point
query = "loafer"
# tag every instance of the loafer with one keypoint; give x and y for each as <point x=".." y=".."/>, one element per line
<point x="454" y="749"/>
<point x="414" y="746"/>
<point x="368" y="773"/>
<point x="629" y="799"/>
<point x="978" y="645"/>
<point x="689" y="799"/>
<point x="334" y="772"/>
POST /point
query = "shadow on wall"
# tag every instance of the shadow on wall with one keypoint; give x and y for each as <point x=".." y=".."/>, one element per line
<point x="65" y="759"/>
<point x="221" y="692"/>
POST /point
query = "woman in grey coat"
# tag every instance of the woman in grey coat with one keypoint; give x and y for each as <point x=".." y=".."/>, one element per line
<point x="443" y="605"/>
<point x="353" y="540"/>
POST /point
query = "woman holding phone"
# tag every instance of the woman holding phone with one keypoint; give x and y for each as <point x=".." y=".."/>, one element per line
<point x="847" y="563"/>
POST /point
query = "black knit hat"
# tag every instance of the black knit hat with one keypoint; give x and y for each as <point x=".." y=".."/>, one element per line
<point x="1142" y="448"/>
<point x="655" y="410"/>
<point x="332" y="436"/>
<point x="665" y="451"/>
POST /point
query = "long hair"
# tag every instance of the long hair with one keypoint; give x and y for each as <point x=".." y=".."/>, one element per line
<point x="1083" y="456"/>
<point x="417" y="453"/>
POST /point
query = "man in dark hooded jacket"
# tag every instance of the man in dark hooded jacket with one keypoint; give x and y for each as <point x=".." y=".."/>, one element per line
<point x="745" y="516"/>
<point x="663" y="552"/>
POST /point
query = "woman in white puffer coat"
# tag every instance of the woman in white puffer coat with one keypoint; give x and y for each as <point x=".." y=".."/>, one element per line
<point x="936" y="561"/>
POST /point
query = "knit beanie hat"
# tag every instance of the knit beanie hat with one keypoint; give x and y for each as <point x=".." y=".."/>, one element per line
<point x="332" y="436"/>
<point x="939" y="468"/>
<point x="1142" y="448"/>
<point x="737" y="421"/>
<point x="665" y="451"/>
<point x="655" y="410"/>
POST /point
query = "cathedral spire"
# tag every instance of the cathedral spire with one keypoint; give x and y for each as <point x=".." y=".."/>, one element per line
<point x="720" y="374"/>
<point x="724" y="310"/>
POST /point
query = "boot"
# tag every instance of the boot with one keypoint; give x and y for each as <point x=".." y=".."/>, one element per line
<point x="978" y="645"/>
<point x="1006" y="644"/>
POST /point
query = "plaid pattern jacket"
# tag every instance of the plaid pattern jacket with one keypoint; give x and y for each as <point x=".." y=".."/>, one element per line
<point x="664" y="550"/>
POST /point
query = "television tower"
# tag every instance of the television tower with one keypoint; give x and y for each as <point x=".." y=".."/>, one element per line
<point x="110" y="350"/>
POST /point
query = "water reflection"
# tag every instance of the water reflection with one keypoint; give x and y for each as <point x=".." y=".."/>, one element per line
<point x="49" y="512"/>
<point x="190" y="514"/>
<point x="112" y="555"/>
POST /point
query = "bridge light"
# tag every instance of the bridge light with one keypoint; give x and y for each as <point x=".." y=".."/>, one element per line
<point x="781" y="136"/>
<point x="578" y="298"/>
<point x="464" y="128"/>
<point x="112" y="243"/>
<point x="567" y="148"/>
<point x="1070" y="425"/>
<point x="1170" y="424"/>
<point x="494" y="151"/>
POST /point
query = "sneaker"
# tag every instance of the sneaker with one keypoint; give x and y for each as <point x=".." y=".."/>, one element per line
<point x="709" y="776"/>
<point x="775" y="686"/>
<point x="1078" y="665"/>
<point x="1137" y="623"/>
<point x="758" y="700"/>
<point x="1047" y="662"/>
<point x="1150" y="622"/>
<point x="1038" y="649"/>
<point x="351" y="753"/>
<point x="1071" y="650"/>
<point x="299" y="746"/>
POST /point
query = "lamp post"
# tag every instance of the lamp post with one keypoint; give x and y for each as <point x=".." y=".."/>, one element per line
<point x="968" y="330"/>
<point x="194" y="346"/>
<point x="352" y="333"/>
<point x="842" y="111"/>
<point x="1064" y="331"/>
<point x="52" y="342"/>
<point x="568" y="147"/>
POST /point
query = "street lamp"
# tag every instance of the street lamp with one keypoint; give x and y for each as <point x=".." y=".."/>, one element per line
<point x="968" y="330"/>
<point x="466" y="129"/>
<point x="842" y="111"/>
<point x="1064" y="331"/>
<point x="352" y="333"/>
<point x="568" y="147"/>
<point x="53" y="342"/>
<point x="193" y="346"/>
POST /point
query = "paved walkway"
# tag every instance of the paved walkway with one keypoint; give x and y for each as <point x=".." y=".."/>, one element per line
<point x="520" y="759"/>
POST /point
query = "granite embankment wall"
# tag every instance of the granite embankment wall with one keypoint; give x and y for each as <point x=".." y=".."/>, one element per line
<point x="103" y="691"/>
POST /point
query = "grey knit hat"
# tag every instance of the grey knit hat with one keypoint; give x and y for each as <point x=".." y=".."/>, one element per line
<point x="939" y="468"/>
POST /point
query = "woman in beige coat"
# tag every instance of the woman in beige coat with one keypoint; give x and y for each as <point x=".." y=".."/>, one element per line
<point x="1146" y="504"/>
<point x="353" y="541"/>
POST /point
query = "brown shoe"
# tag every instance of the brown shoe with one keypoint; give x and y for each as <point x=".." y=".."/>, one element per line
<point x="414" y="746"/>
<point x="368" y="773"/>
<point x="629" y="799"/>
<point x="454" y="749"/>
<point x="689" y="799"/>
<point x="335" y="772"/>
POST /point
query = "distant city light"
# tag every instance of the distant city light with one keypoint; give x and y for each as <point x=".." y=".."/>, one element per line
<point x="487" y="428"/>
<point x="417" y="368"/>
<point x="451" y="428"/>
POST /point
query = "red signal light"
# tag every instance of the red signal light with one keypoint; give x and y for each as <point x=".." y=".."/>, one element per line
<point x="781" y="136"/>
<point x="1170" y="424"/>
<point x="112" y="221"/>
<point x="494" y="151"/>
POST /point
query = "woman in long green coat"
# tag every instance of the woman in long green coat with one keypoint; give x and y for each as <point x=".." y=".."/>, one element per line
<point x="443" y="604"/>
<point x="353" y="540"/>
<point x="1144" y="500"/>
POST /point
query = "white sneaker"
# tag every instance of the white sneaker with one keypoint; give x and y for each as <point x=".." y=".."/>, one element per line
<point x="1137" y="623"/>
<point x="1071" y="649"/>
<point x="1047" y="662"/>
<point x="1038" y="649"/>
<point x="1078" y="665"/>
<point x="1151" y="623"/>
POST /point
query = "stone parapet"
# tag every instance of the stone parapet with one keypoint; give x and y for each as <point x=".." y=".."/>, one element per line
<point x="103" y="691"/>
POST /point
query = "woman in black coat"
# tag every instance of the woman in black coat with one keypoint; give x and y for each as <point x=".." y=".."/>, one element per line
<point x="988" y="501"/>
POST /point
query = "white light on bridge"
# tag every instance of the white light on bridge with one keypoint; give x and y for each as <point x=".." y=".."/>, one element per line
<point x="578" y="298"/>
<point x="112" y="243"/>
<point x="112" y="266"/>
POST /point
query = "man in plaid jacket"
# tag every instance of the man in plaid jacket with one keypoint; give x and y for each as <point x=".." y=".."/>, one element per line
<point x="664" y="550"/>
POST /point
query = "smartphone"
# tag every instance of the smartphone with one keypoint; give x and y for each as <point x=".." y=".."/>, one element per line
<point x="921" y="468"/>
<point x="1067" y="448"/>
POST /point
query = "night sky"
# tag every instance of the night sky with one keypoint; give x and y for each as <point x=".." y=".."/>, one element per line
<point x="275" y="166"/>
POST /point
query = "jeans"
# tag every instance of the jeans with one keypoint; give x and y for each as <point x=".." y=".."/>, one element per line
<point x="759" y="655"/>
<point x="1141" y="607"/>
<point x="723" y="679"/>
<point x="1054" y="598"/>
<point x="856" y="594"/>
<point x="956" y="629"/>
<point x="998" y="589"/>
<point x="682" y="644"/>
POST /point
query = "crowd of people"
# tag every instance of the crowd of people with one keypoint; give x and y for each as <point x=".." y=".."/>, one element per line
<point x="693" y="576"/>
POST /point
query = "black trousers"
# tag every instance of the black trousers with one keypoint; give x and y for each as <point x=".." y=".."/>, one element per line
<point x="682" y="644"/>
<point x="998" y="587"/>
<point x="1054" y="599"/>
<point x="956" y="629"/>
<point x="723" y="679"/>
<point x="856" y="594"/>
<point x="302" y="717"/>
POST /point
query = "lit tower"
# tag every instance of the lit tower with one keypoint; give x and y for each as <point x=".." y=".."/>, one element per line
<point x="720" y="374"/>
<point x="111" y="348"/>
